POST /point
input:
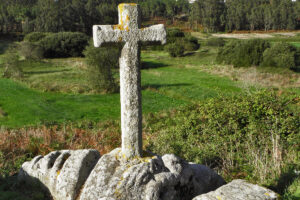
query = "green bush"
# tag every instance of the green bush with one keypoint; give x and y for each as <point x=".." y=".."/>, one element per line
<point x="215" y="42"/>
<point x="243" y="53"/>
<point x="64" y="44"/>
<point x="175" y="49"/>
<point x="11" y="63"/>
<point x="174" y="32"/>
<point x="35" y="36"/>
<point x="190" y="43"/>
<point x="31" y="51"/>
<point x="254" y="135"/>
<point x="100" y="62"/>
<point x="281" y="54"/>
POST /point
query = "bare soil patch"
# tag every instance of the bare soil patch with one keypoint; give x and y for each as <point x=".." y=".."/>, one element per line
<point x="262" y="35"/>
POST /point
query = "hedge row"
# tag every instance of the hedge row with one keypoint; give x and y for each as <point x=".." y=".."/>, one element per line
<point x="258" y="52"/>
<point x="56" y="45"/>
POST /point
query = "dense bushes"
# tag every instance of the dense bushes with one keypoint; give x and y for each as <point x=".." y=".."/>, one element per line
<point x="64" y="44"/>
<point x="175" y="49"/>
<point x="11" y="63"/>
<point x="257" y="52"/>
<point x="281" y="55"/>
<point x="54" y="45"/>
<point x="101" y="62"/>
<point x="178" y="42"/>
<point x="243" y="53"/>
<point x="256" y="135"/>
<point x="36" y="36"/>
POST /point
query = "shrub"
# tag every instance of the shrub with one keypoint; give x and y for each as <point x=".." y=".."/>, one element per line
<point x="175" y="49"/>
<point x="215" y="42"/>
<point x="64" y="44"/>
<point x="190" y="43"/>
<point x="100" y="62"/>
<point x="280" y="54"/>
<point x="243" y="53"/>
<point x="10" y="62"/>
<point x="253" y="136"/>
<point x="174" y="32"/>
<point x="31" y="50"/>
<point x="36" y="36"/>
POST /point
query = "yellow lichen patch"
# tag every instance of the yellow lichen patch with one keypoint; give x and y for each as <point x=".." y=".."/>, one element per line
<point x="219" y="198"/>
<point x="120" y="39"/>
<point x="118" y="26"/>
<point x="58" y="172"/>
<point x="267" y="194"/>
<point x="123" y="4"/>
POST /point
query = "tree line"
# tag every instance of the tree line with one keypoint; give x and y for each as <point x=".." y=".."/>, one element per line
<point x="214" y="15"/>
<point x="217" y="15"/>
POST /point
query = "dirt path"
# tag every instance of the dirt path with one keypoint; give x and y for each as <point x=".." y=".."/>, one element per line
<point x="255" y="35"/>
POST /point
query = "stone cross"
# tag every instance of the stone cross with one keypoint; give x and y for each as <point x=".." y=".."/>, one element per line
<point x="129" y="31"/>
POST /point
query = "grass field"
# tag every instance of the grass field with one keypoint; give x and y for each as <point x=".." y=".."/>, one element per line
<point x="167" y="83"/>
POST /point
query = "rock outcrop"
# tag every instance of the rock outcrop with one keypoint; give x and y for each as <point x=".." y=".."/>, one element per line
<point x="84" y="175"/>
<point x="239" y="190"/>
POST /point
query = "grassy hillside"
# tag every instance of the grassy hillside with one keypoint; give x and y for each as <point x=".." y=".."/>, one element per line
<point x="167" y="83"/>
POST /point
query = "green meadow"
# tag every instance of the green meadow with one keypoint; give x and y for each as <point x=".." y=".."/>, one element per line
<point x="167" y="83"/>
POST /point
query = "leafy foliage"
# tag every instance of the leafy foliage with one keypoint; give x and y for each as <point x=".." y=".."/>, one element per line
<point x="11" y="66"/>
<point x="178" y="42"/>
<point x="35" y="36"/>
<point x="101" y="62"/>
<point x="64" y="44"/>
<point x="243" y="53"/>
<point x="175" y="49"/>
<point x="228" y="133"/>
<point x="281" y="55"/>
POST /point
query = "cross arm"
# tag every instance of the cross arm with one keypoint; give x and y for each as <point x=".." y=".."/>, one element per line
<point x="155" y="33"/>
<point x="106" y="34"/>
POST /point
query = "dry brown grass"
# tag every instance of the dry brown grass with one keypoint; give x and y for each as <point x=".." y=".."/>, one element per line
<point x="252" y="76"/>
<point x="20" y="144"/>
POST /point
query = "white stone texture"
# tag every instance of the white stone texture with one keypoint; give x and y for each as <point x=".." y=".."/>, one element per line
<point x="61" y="172"/>
<point x="129" y="32"/>
<point x="239" y="190"/>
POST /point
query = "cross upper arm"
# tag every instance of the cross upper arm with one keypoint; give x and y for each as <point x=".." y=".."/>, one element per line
<point x="106" y="33"/>
<point x="155" y="33"/>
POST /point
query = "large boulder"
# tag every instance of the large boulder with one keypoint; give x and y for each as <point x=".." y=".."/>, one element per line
<point x="82" y="175"/>
<point x="239" y="190"/>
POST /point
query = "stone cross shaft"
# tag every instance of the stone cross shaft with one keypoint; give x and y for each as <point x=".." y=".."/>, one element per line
<point x="129" y="32"/>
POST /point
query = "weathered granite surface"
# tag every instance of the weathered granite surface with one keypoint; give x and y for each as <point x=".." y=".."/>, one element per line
<point x="239" y="190"/>
<point x="68" y="175"/>
<point x="61" y="172"/>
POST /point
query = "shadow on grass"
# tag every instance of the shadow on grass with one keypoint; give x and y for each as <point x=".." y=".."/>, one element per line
<point x="46" y="72"/>
<point x="157" y="86"/>
<point x="11" y="188"/>
<point x="285" y="180"/>
<point x="152" y="65"/>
